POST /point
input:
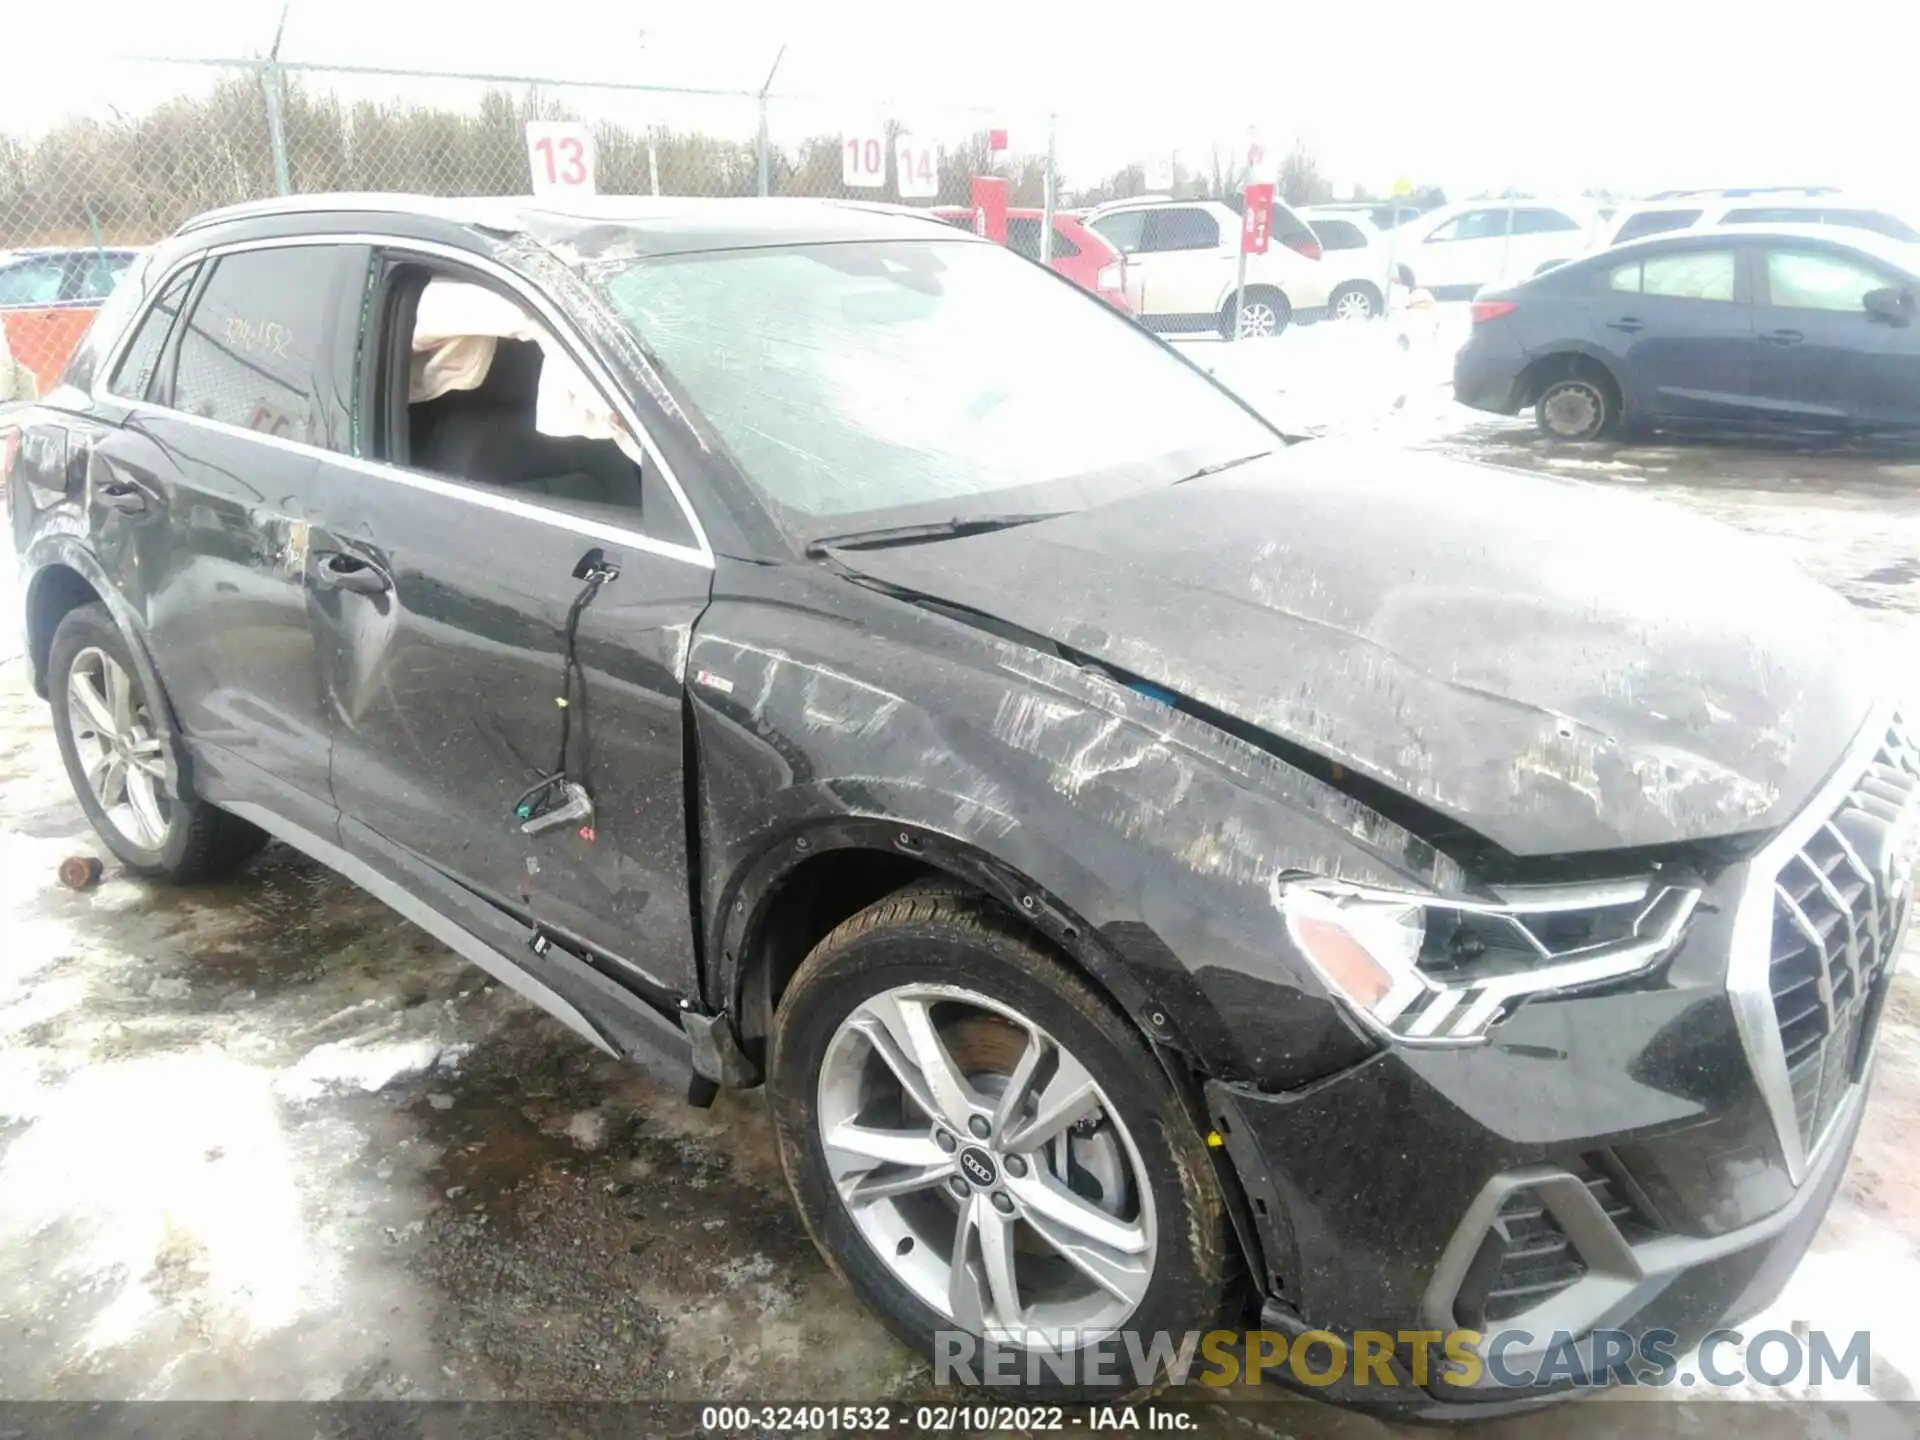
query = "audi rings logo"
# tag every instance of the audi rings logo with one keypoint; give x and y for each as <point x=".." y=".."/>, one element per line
<point x="977" y="1165"/>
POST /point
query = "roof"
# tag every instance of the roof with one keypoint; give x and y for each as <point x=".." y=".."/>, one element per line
<point x="653" y="225"/>
<point x="1896" y="253"/>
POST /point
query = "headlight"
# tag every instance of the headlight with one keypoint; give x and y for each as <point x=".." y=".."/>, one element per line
<point x="1425" y="970"/>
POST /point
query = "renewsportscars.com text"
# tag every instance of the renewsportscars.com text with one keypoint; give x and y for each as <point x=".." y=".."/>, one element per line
<point x="1507" y="1359"/>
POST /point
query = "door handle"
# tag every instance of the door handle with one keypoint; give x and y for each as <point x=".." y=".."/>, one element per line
<point x="337" y="570"/>
<point x="1627" y="323"/>
<point x="119" y="495"/>
<point x="1783" y="337"/>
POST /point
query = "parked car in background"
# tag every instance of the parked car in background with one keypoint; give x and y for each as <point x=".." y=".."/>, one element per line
<point x="1455" y="250"/>
<point x="48" y="299"/>
<point x="1162" y="878"/>
<point x="1792" y="208"/>
<point x="1183" y="262"/>
<point x="1078" y="253"/>
<point x="1763" y="327"/>
<point x="1382" y="214"/>
<point x="1364" y="274"/>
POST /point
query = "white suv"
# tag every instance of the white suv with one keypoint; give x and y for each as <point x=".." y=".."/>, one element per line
<point x="1183" y="261"/>
<point x="1455" y="250"/>
<point x="1692" y="212"/>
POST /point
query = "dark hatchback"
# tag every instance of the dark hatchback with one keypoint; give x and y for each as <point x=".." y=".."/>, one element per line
<point x="1159" y="879"/>
<point x="1776" y="328"/>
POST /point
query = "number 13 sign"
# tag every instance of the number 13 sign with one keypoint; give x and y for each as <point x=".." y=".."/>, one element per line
<point x="560" y="154"/>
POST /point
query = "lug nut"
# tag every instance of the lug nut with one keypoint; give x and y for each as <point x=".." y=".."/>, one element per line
<point x="979" y="1126"/>
<point x="959" y="1187"/>
<point x="1003" y="1202"/>
<point x="1015" y="1166"/>
<point x="945" y="1141"/>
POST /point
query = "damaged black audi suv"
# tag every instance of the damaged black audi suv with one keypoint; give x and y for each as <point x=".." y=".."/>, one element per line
<point x="1164" y="877"/>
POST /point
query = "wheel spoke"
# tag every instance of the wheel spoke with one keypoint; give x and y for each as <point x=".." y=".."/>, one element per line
<point x="863" y="1189"/>
<point x="97" y="770"/>
<point x="144" y="756"/>
<point x="1046" y="1199"/>
<point x="84" y="696"/>
<point x="1014" y="1098"/>
<point x="1068" y="1095"/>
<point x="996" y="1258"/>
<point x="888" y="1049"/>
<point x="145" y="800"/>
<point x="910" y="1022"/>
<point x="964" y="1300"/>
<point x="110" y="786"/>
<point x="1122" y="1276"/>
<point x="119" y="697"/>
<point x="885" y="1147"/>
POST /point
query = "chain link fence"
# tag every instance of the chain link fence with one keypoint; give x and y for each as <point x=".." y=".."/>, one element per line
<point x="89" y="180"/>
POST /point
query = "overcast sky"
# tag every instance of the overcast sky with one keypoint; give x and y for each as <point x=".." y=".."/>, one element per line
<point x="1471" y="94"/>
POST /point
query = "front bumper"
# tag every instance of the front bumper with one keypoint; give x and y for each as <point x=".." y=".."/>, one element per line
<point x="1654" y="1158"/>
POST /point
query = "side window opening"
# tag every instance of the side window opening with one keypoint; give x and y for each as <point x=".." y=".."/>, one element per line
<point x="476" y="389"/>
<point x="262" y="347"/>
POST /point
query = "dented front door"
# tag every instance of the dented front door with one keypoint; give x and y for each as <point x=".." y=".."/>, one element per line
<point x="441" y="612"/>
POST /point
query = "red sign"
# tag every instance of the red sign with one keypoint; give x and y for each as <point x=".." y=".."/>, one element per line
<point x="1256" y="224"/>
<point x="996" y="139"/>
<point x="990" y="207"/>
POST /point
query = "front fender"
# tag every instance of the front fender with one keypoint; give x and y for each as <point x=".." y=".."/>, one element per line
<point x="1146" y="839"/>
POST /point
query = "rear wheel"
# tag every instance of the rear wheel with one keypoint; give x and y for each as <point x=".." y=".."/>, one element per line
<point x="978" y="1143"/>
<point x="105" y="726"/>
<point x="1577" y="406"/>
<point x="1264" y="312"/>
<point x="1356" y="301"/>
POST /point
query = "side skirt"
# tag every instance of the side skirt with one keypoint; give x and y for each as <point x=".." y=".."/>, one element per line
<point x="565" y="986"/>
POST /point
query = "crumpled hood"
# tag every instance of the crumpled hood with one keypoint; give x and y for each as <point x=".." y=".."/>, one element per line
<point x="1558" y="668"/>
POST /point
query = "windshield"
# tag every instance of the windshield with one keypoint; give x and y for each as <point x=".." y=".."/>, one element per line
<point x="917" y="380"/>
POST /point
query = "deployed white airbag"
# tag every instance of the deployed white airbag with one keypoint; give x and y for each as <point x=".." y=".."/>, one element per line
<point x="456" y="331"/>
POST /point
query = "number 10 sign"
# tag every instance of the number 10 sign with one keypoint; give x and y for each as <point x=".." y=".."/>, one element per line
<point x="560" y="154"/>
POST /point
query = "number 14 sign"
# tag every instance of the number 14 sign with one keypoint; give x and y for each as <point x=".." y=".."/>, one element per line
<point x="560" y="154"/>
<point x="863" y="164"/>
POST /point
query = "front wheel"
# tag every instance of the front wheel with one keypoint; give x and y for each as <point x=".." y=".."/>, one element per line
<point x="105" y="723"/>
<point x="1576" y="407"/>
<point x="987" y="1152"/>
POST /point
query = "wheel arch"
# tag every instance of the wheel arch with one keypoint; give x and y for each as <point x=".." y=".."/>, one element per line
<point x="1566" y="361"/>
<point x="64" y="575"/>
<point x="783" y="901"/>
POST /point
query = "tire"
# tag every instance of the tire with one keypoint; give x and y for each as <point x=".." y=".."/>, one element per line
<point x="154" y="833"/>
<point x="1261" y="301"/>
<point x="1142" y="1180"/>
<point x="1356" y="300"/>
<point x="1577" y="406"/>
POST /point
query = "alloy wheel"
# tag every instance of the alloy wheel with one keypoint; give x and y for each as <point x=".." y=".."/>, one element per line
<point x="985" y="1166"/>
<point x="1258" y="319"/>
<point x="1352" y="305"/>
<point x="119" y="753"/>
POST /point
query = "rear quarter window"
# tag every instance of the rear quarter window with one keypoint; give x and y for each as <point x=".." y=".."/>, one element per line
<point x="1654" y="222"/>
<point x="1339" y="235"/>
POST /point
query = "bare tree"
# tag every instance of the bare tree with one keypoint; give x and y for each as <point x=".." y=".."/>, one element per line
<point x="1301" y="182"/>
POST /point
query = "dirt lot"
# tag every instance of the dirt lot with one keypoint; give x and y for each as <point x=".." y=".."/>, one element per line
<point x="266" y="1140"/>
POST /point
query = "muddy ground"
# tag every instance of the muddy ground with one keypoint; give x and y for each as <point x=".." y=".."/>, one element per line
<point x="266" y="1140"/>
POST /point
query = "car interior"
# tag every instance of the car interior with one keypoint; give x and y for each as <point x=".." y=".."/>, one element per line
<point x="482" y="392"/>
